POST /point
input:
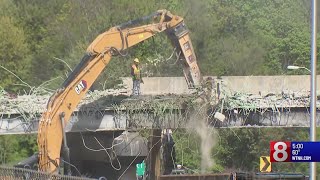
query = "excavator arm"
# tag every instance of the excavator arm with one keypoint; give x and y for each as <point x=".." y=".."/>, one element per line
<point x="113" y="42"/>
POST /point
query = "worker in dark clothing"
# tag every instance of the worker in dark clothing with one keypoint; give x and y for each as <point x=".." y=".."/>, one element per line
<point x="136" y="77"/>
<point x="169" y="152"/>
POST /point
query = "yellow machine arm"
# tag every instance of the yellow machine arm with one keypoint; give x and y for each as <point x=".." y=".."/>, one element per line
<point x="110" y="43"/>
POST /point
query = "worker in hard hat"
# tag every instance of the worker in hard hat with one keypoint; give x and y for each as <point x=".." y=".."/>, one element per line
<point x="136" y="77"/>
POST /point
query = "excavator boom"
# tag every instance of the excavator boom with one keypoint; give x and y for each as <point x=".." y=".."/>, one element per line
<point x="113" y="42"/>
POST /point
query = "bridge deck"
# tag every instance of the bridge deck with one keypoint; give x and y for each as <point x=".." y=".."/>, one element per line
<point x="116" y="110"/>
<point x="109" y="113"/>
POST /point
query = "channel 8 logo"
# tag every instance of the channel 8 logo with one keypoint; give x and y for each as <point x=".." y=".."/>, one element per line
<point x="280" y="151"/>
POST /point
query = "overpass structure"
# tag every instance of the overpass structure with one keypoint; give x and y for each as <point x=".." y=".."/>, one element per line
<point x="168" y="103"/>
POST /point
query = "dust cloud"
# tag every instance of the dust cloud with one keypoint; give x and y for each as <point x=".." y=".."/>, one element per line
<point x="198" y="124"/>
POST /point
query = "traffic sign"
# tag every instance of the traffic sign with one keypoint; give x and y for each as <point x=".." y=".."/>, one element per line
<point x="265" y="164"/>
<point x="141" y="169"/>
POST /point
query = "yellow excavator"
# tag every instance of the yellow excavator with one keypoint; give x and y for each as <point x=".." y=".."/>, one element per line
<point x="113" y="42"/>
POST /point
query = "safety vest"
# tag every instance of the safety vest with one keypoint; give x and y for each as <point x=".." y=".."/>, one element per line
<point x="135" y="72"/>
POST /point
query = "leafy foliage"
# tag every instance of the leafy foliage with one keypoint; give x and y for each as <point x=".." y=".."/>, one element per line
<point x="228" y="37"/>
<point x="14" y="148"/>
<point x="13" y="47"/>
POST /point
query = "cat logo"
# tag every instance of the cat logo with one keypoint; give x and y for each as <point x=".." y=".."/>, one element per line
<point x="81" y="86"/>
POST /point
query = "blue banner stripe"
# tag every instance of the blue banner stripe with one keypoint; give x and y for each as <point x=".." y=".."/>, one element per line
<point x="305" y="151"/>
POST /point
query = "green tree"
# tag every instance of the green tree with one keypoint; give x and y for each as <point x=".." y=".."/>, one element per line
<point x="14" y="50"/>
<point x="15" y="148"/>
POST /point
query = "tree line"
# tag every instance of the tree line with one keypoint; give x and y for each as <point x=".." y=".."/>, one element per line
<point x="230" y="37"/>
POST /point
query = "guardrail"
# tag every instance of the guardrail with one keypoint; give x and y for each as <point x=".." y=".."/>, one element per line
<point x="236" y="176"/>
<point x="11" y="173"/>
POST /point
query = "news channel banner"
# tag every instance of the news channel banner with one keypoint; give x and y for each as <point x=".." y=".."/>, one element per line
<point x="294" y="151"/>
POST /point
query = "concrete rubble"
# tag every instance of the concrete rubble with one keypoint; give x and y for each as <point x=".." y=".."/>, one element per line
<point x="35" y="104"/>
<point x="251" y="101"/>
